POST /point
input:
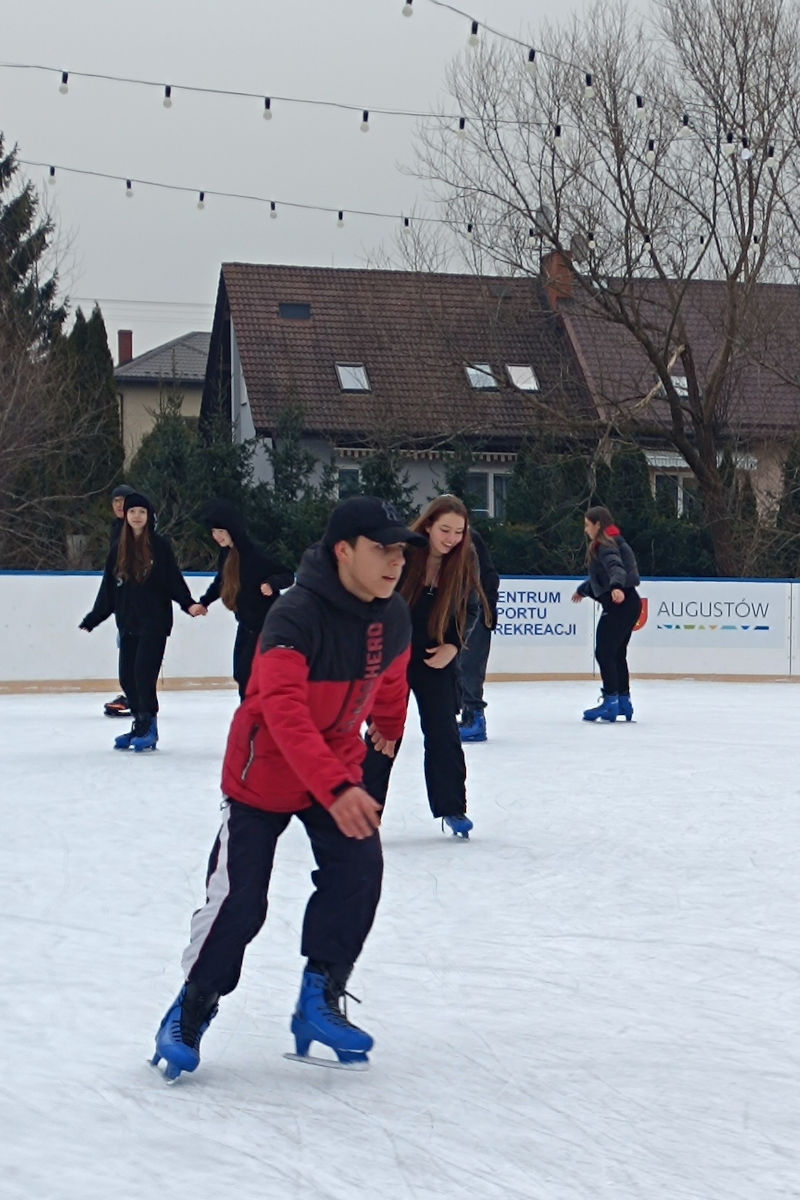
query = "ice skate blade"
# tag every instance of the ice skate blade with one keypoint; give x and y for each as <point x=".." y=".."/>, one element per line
<point x="169" y="1073"/>
<point x="357" y="1064"/>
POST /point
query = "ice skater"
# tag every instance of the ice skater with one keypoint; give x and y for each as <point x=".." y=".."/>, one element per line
<point x="441" y="587"/>
<point x="120" y="705"/>
<point x="334" y="648"/>
<point x="613" y="579"/>
<point x="140" y="581"/>
<point x="474" y="657"/>
<point x="247" y="582"/>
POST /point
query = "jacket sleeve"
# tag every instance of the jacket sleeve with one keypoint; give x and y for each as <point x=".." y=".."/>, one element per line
<point x="174" y="583"/>
<point x="283" y="687"/>
<point x="613" y="566"/>
<point x="213" y="590"/>
<point x="585" y="589"/>
<point x="271" y="572"/>
<point x="391" y="699"/>
<point x="104" y="601"/>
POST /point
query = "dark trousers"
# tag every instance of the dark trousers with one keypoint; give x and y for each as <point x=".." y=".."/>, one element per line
<point x="436" y="693"/>
<point x="472" y="667"/>
<point x="140" y="659"/>
<point x="243" y="650"/>
<point x="339" y="914"/>
<point x="614" y="631"/>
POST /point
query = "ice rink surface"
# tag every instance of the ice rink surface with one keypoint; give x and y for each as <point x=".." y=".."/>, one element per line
<point x="595" y="998"/>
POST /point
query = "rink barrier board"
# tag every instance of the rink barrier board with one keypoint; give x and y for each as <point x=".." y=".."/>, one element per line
<point x="697" y="628"/>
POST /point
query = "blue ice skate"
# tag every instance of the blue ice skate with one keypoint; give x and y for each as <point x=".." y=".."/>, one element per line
<point x="459" y="824"/>
<point x="179" y="1034"/>
<point x="318" y="1018"/>
<point x="145" y="735"/>
<point x="625" y="706"/>
<point x="473" y="727"/>
<point x="606" y="710"/>
<point x="123" y="740"/>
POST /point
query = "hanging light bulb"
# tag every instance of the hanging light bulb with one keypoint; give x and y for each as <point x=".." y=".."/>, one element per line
<point x="167" y="101"/>
<point x="557" y="135"/>
<point x="746" y="153"/>
<point x="531" y="238"/>
<point x="51" y="178"/>
<point x="473" y="39"/>
<point x="462" y="125"/>
<point x="648" y="245"/>
<point x="201" y="200"/>
<point x="770" y="154"/>
<point x="651" y="150"/>
<point x="408" y="8"/>
<point x="588" y="91"/>
<point x="728" y="146"/>
<point x="639" y="106"/>
<point x="63" y="87"/>
<point x="267" y="113"/>
<point x="273" y="210"/>
<point x="365" y="121"/>
<point x="129" y="189"/>
<point x="531" y="63"/>
<point x="685" y="129"/>
<point x="591" y="243"/>
<point x="406" y="224"/>
<point x="340" y="220"/>
<point x="469" y="230"/>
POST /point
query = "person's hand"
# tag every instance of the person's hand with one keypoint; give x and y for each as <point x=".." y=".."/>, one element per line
<point x="440" y="656"/>
<point x="576" y="597"/>
<point x="382" y="745"/>
<point x="356" y="813"/>
<point x="266" y="589"/>
<point x="84" y="626"/>
<point x="617" y="595"/>
<point x="197" y="610"/>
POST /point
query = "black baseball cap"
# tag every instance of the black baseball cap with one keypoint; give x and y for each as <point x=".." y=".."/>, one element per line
<point x="369" y="517"/>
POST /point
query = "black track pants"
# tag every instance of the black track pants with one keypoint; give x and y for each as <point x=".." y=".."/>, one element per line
<point x="339" y="914"/>
<point x="436" y="693"/>
<point x="614" y="631"/>
<point x="140" y="659"/>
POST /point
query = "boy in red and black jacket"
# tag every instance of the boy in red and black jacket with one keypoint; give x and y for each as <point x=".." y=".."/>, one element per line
<point x="333" y="654"/>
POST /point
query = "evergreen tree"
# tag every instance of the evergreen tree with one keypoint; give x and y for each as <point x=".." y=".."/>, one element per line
<point x="383" y="476"/>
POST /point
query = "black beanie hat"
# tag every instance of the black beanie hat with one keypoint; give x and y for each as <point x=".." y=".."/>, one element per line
<point x="139" y="500"/>
<point x="122" y="489"/>
<point x="221" y="514"/>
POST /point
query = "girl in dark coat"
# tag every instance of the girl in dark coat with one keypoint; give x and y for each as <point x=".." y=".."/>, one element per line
<point x="440" y="584"/>
<point x="612" y="582"/>
<point x="140" y="581"/>
<point x="247" y="582"/>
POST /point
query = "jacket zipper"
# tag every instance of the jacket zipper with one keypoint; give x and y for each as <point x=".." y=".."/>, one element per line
<point x="252" y="753"/>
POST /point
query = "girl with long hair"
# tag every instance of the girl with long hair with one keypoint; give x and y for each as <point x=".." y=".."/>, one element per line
<point x="441" y="587"/>
<point x="613" y="579"/>
<point x="140" y="581"/>
<point x="247" y="582"/>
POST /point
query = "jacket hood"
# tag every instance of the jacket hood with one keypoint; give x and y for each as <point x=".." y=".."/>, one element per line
<point x="221" y="514"/>
<point x="317" y="572"/>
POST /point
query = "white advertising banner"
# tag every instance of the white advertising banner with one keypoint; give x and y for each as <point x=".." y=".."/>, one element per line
<point x="538" y="624"/>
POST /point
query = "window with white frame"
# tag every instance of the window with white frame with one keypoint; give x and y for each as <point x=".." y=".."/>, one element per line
<point x="486" y="493"/>
<point x="352" y="377"/>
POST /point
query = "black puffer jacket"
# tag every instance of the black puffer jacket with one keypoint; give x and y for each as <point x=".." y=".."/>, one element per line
<point x="610" y="567"/>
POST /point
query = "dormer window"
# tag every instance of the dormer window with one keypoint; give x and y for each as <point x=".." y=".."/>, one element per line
<point x="481" y="377"/>
<point x="352" y="377"/>
<point x="523" y="377"/>
<point x="292" y="310"/>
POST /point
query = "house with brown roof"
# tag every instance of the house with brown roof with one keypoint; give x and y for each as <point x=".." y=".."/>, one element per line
<point x="177" y="367"/>
<point x="758" y="414"/>
<point x="408" y="361"/>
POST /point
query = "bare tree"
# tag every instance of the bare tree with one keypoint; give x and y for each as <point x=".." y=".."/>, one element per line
<point x="649" y="157"/>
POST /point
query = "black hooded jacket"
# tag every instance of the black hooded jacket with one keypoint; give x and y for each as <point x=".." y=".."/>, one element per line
<point x="255" y="567"/>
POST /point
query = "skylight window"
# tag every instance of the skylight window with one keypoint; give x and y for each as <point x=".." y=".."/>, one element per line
<point x="480" y="376"/>
<point x="292" y="310"/>
<point x="352" y="377"/>
<point x="523" y="377"/>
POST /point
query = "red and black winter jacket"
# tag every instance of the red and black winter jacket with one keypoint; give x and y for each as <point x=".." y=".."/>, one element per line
<point x="325" y="662"/>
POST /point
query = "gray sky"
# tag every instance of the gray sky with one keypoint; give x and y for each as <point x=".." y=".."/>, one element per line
<point x="153" y="261"/>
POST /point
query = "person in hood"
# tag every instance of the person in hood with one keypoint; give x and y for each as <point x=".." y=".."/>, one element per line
<point x="120" y="705"/>
<point x="612" y="583"/>
<point x="333" y="652"/>
<point x="247" y="582"/>
<point x="140" y="581"/>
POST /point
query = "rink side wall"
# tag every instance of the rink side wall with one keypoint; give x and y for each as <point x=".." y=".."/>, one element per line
<point x="724" y="628"/>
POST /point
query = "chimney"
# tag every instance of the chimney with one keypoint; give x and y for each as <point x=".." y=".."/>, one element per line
<point x="557" y="277"/>
<point x="124" y="346"/>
